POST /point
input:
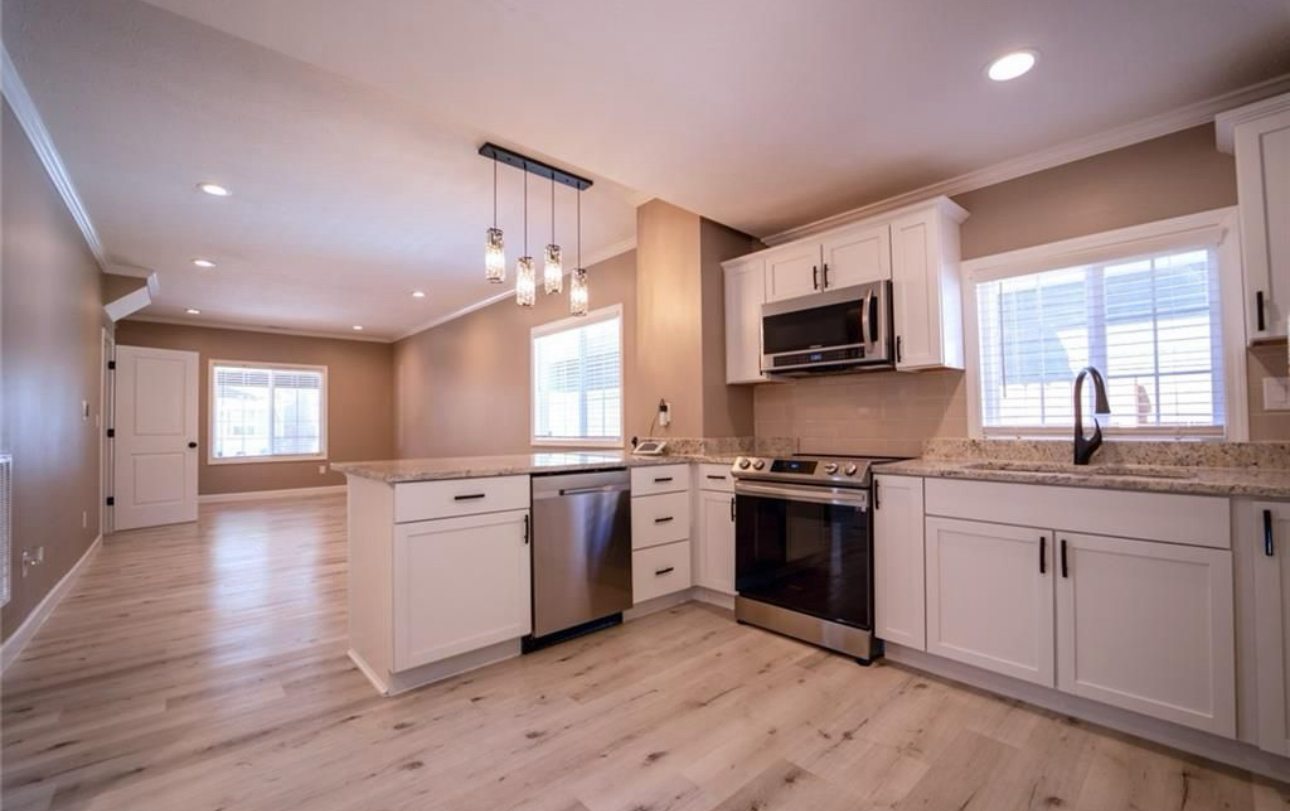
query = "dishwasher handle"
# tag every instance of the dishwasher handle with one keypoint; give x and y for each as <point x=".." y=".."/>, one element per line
<point x="606" y="488"/>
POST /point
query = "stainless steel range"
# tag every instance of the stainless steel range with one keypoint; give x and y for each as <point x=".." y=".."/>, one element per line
<point x="804" y="549"/>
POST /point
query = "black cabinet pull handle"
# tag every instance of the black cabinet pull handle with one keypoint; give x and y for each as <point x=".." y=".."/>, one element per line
<point x="898" y="349"/>
<point x="815" y="277"/>
<point x="876" y="502"/>
<point x="714" y="477"/>
<point x="526" y="530"/>
<point x="732" y="509"/>
<point x="825" y="274"/>
<point x="1258" y="309"/>
<point x="468" y="497"/>
<point x="1065" y="569"/>
<point x="1043" y="542"/>
<point x="1269" y="546"/>
<point x="664" y="570"/>
<point x="662" y="479"/>
<point x="192" y="444"/>
<point x="665" y="519"/>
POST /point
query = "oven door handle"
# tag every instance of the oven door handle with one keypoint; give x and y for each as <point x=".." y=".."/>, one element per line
<point x="837" y="497"/>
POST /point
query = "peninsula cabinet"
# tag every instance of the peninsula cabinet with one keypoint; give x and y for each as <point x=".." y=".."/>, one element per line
<point x="1259" y="135"/>
<point x="1264" y="533"/>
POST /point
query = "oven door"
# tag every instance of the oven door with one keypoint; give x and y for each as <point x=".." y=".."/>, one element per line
<point x="807" y="549"/>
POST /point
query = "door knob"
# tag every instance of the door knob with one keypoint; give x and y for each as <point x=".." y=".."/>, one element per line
<point x="192" y="444"/>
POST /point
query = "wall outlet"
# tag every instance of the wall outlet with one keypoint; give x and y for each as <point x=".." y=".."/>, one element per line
<point x="322" y="469"/>
<point x="85" y="409"/>
<point x="32" y="557"/>
<point x="1276" y="394"/>
<point x="664" y="413"/>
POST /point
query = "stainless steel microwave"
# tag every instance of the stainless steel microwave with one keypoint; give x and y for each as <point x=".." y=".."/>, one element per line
<point x="846" y="330"/>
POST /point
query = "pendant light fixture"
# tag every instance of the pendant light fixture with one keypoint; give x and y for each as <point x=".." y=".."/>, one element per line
<point x="578" y="298"/>
<point x="525" y="277"/>
<point x="553" y="267"/>
<point x="494" y="247"/>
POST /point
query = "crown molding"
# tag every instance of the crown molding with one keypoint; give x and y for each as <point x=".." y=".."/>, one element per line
<point x="296" y="333"/>
<point x="608" y="252"/>
<point x="32" y="124"/>
<point x="1225" y="123"/>
<point x="1191" y="115"/>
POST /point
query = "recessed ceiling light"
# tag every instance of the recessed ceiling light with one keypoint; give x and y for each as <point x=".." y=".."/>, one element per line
<point x="357" y="327"/>
<point x="418" y="294"/>
<point x="214" y="189"/>
<point x="1011" y="65"/>
<point x="203" y="263"/>
<point x="191" y="311"/>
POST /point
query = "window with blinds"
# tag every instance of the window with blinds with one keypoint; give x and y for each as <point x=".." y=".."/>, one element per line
<point x="263" y="412"/>
<point x="578" y="380"/>
<point x="1151" y="324"/>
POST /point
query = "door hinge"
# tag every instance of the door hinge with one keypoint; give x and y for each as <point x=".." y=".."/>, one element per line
<point x="111" y="432"/>
<point x="111" y="365"/>
<point x="111" y="502"/>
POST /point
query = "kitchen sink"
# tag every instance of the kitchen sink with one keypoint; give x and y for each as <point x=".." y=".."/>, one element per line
<point x="1132" y="471"/>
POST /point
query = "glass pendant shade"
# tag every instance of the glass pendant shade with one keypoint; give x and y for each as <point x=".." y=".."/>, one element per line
<point x="553" y="270"/>
<point x="495" y="257"/>
<point x="578" y="298"/>
<point x="525" y="282"/>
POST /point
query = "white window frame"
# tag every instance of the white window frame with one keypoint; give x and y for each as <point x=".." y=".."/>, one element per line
<point x="1220" y="227"/>
<point x="212" y="459"/>
<point x="602" y="314"/>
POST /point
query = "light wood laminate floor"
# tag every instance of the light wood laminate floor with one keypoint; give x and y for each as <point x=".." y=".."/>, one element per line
<point x="203" y="667"/>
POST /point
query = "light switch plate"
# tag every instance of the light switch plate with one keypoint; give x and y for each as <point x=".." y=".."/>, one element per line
<point x="1276" y="394"/>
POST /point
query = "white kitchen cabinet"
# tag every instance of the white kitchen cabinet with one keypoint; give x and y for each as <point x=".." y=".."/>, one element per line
<point x="745" y="293"/>
<point x="926" y="297"/>
<point x="899" y="582"/>
<point x="793" y="270"/>
<point x="856" y="255"/>
<point x="660" y="570"/>
<point x="1271" y="529"/>
<point x="1259" y="135"/>
<point x="990" y="597"/>
<point x="716" y="552"/>
<point x="1148" y="627"/>
<point x="460" y="584"/>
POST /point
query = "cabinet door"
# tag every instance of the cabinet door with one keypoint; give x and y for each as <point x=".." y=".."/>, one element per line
<point x="1263" y="188"/>
<point x="792" y="271"/>
<point x="745" y="293"/>
<point x="925" y="292"/>
<point x="1272" y="622"/>
<point x="717" y="541"/>
<point x="899" y="579"/>
<point x="1148" y="627"/>
<point x="856" y="256"/>
<point x="990" y="597"/>
<point x="460" y="584"/>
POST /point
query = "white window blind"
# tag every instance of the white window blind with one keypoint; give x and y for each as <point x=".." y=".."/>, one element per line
<point x="267" y="411"/>
<point x="577" y="380"/>
<point x="1151" y="324"/>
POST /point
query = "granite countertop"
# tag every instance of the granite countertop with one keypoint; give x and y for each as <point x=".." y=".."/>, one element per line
<point x="1208" y="481"/>
<point x="392" y="471"/>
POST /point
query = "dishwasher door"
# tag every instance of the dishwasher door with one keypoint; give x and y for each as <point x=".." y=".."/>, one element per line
<point x="582" y="548"/>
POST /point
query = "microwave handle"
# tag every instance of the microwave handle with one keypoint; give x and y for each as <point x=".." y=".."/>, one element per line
<point x="864" y="319"/>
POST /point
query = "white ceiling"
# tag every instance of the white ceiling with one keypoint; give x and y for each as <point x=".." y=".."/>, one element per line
<point x="353" y="162"/>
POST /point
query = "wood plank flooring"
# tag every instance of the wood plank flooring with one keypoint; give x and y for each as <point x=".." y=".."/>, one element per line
<point x="203" y="668"/>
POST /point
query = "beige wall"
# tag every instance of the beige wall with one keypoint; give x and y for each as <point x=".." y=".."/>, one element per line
<point x="462" y="388"/>
<point x="360" y="391"/>
<point x="51" y="322"/>
<point x="893" y="413"/>
<point x="727" y="410"/>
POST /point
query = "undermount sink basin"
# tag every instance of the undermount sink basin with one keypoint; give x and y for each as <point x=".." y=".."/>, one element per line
<point x="1134" y="471"/>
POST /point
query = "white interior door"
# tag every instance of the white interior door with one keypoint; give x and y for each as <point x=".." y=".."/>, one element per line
<point x="155" y="472"/>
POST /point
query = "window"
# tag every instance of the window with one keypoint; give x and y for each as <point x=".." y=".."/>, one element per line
<point x="267" y="413"/>
<point x="578" y="380"/>
<point x="1147" y="313"/>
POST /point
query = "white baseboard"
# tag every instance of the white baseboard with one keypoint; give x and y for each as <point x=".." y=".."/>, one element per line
<point x="13" y="646"/>
<point x="720" y="599"/>
<point x="268" y="495"/>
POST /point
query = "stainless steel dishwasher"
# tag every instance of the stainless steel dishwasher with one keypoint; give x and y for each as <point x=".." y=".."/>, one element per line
<point x="582" y="553"/>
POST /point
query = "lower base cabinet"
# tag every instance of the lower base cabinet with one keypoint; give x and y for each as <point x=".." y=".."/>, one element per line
<point x="899" y="588"/>
<point x="660" y="570"/>
<point x="460" y="584"/>
<point x="716" y="552"/>
<point x="1267" y="532"/>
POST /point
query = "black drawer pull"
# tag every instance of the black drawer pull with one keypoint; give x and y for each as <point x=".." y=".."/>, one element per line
<point x="469" y="497"/>
<point x="665" y="519"/>
<point x="664" y="570"/>
<point x="716" y="478"/>
<point x="662" y="479"/>
<point x="1269" y="546"/>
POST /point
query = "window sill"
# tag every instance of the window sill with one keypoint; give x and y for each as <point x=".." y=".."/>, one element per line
<point x="604" y="445"/>
<point x="259" y="460"/>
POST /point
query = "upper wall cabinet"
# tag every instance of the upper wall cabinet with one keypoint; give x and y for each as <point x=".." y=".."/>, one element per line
<point x="852" y="255"/>
<point x="745" y="293"/>
<point x="1259" y="135"/>
<point x="925" y="287"/>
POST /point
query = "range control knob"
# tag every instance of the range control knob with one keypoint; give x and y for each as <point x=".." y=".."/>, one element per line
<point x="851" y="469"/>
<point x="758" y="464"/>
<point x="743" y="464"/>
<point x="831" y="468"/>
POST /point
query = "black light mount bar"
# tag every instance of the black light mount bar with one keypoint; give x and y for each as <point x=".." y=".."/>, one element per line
<point x="533" y="165"/>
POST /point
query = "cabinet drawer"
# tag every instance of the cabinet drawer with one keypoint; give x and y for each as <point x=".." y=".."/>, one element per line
<point x="717" y="478"/>
<point x="652" y="479"/>
<point x="661" y="519"/>
<point x="419" y="501"/>
<point x="660" y="570"/>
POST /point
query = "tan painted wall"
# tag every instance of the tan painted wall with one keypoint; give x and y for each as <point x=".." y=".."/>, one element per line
<point x="462" y="388"/>
<point x="893" y="413"/>
<point x="727" y="410"/>
<point x="360" y="391"/>
<point x="50" y="340"/>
